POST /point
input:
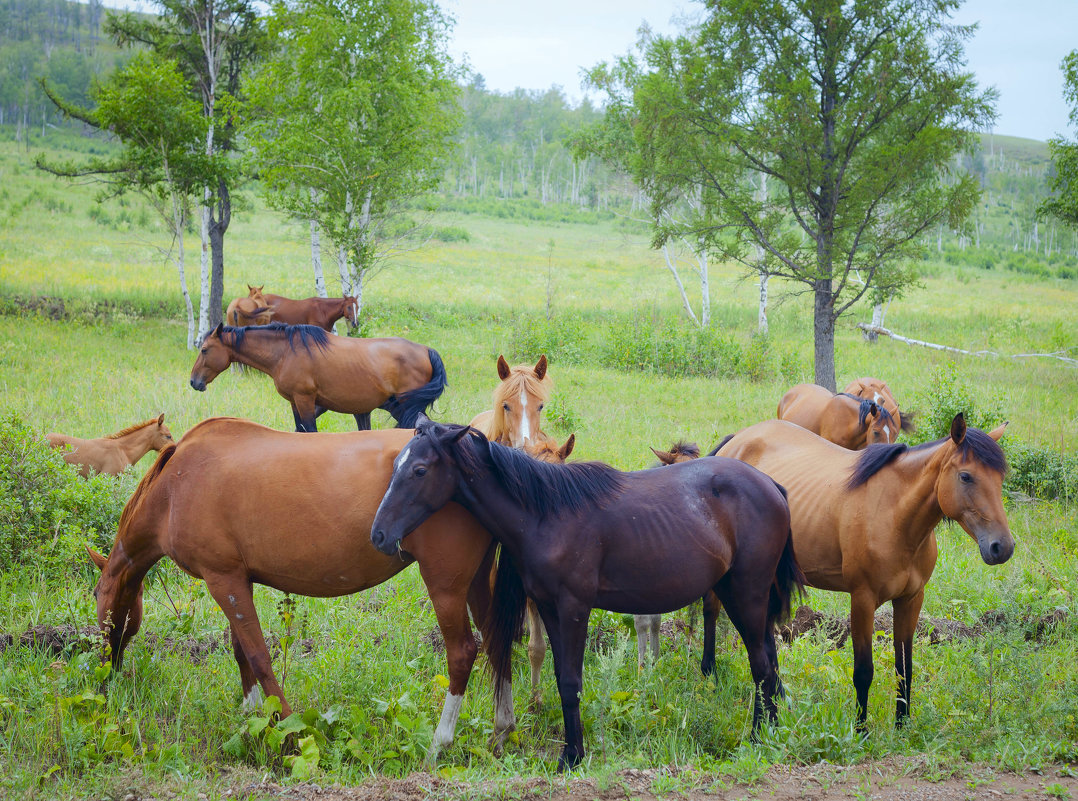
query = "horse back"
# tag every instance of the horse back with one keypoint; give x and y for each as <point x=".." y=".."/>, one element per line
<point x="805" y="405"/>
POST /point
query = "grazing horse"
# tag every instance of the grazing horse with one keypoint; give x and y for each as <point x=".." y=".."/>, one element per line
<point x="323" y="312"/>
<point x="518" y="404"/>
<point x="845" y="420"/>
<point x="116" y="452"/>
<point x="251" y="310"/>
<point x="876" y="390"/>
<point x="863" y="522"/>
<point x="647" y="626"/>
<point x="580" y="536"/>
<point x="318" y="372"/>
<point x="295" y="518"/>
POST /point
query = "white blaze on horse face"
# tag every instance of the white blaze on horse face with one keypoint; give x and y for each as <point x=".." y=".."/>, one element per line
<point x="525" y="430"/>
<point x="447" y="726"/>
<point x="401" y="459"/>
<point x="877" y="398"/>
<point x="887" y="432"/>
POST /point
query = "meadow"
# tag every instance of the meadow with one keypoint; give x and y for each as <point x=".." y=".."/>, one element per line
<point x="92" y="340"/>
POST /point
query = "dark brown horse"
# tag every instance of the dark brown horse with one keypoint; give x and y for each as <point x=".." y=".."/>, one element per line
<point x="580" y="536"/>
<point x="323" y="312"/>
<point x="864" y="521"/>
<point x="319" y="372"/>
<point x="295" y="518"/>
<point x="849" y="421"/>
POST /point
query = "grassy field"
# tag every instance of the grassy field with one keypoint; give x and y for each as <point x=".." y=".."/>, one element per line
<point x="367" y="669"/>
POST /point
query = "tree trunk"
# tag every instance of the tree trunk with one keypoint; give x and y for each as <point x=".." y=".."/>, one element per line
<point x="823" y="330"/>
<point x="204" y="267"/>
<point x="316" y="253"/>
<point x="761" y="325"/>
<point x="218" y="228"/>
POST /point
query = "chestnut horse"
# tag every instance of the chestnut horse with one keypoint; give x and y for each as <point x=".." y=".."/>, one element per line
<point x="251" y="310"/>
<point x="848" y="421"/>
<point x="318" y="372"/>
<point x="580" y="536"/>
<point x="117" y="452"/>
<point x="876" y="390"/>
<point x="296" y="519"/>
<point x="323" y="312"/>
<point x="518" y="404"/>
<point x="863" y="522"/>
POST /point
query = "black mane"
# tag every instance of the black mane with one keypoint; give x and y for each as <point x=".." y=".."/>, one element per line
<point x="976" y="445"/>
<point x="540" y="487"/>
<point x="308" y="334"/>
<point x="864" y="408"/>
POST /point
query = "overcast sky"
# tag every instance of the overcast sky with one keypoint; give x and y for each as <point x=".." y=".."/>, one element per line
<point x="534" y="45"/>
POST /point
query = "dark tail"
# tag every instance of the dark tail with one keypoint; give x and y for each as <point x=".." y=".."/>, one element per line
<point x="505" y="623"/>
<point x="909" y="425"/>
<point x="407" y="406"/>
<point x="718" y="447"/>
<point x="789" y="579"/>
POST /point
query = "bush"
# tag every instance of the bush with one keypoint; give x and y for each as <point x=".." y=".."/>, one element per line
<point x="946" y="396"/>
<point x="48" y="512"/>
<point x="1041" y="472"/>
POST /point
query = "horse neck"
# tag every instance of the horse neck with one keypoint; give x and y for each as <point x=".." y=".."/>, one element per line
<point x="490" y="504"/>
<point x="135" y="444"/>
<point x="131" y="557"/>
<point x="917" y="508"/>
<point x="260" y="351"/>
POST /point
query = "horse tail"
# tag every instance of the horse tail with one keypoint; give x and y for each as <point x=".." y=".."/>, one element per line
<point x="143" y="489"/>
<point x="504" y="624"/>
<point x="407" y="406"/>
<point x="909" y="424"/>
<point x="718" y="448"/>
<point x="789" y="578"/>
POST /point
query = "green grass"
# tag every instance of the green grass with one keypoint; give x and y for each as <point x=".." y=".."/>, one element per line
<point x="1000" y="698"/>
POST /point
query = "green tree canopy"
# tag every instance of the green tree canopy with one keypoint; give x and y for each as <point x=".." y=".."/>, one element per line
<point x="854" y="111"/>
<point x="1063" y="182"/>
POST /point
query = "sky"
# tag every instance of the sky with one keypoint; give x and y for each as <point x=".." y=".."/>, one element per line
<point x="1018" y="48"/>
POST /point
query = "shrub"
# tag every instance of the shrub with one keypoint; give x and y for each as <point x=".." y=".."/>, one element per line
<point x="1041" y="472"/>
<point x="48" y="512"/>
<point x="946" y="396"/>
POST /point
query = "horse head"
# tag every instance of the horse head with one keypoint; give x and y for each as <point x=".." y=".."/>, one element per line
<point x="680" y="452"/>
<point x="518" y="402"/>
<point x="161" y="435"/>
<point x="970" y="488"/>
<point x="351" y="310"/>
<point x="256" y="293"/>
<point x="547" y="450"/>
<point x="214" y="356"/>
<point x="119" y="607"/>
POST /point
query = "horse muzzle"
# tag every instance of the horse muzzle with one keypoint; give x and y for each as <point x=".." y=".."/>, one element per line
<point x="198" y="384"/>
<point x="996" y="549"/>
<point x="384" y="542"/>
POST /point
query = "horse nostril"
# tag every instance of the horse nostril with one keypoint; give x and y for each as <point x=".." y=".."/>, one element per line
<point x="995" y="549"/>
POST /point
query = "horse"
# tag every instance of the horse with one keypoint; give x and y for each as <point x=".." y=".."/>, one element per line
<point x="580" y="536"/>
<point x="323" y="312"/>
<point x="846" y="420"/>
<point x="251" y="310"/>
<point x="294" y="519"/>
<point x="518" y="404"/>
<point x="647" y="626"/>
<point x="876" y="390"/>
<point x="317" y="371"/>
<point x="863" y="522"/>
<point x="116" y="452"/>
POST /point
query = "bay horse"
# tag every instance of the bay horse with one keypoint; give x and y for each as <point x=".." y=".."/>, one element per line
<point x="323" y="312"/>
<point x="580" y="536"/>
<point x="116" y="452"/>
<point x="296" y="519"/>
<point x="876" y="390"/>
<point x="864" y="521"/>
<point x="519" y="398"/>
<point x="846" y="420"/>
<point x="251" y="310"/>
<point x="316" y="371"/>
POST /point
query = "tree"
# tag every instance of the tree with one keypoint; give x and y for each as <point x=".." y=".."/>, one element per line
<point x="1063" y="180"/>
<point x="353" y="116"/>
<point x="147" y="106"/>
<point x="853" y="111"/>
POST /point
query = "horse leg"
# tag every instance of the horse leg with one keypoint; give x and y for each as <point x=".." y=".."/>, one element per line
<point x="906" y="612"/>
<point x="305" y="413"/>
<point x="536" y="650"/>
<point x="862" y="620"/>
<point x="363" y="421"/>
<point x="653" y="636"/>
<point x="642" y="623"/>
<point x="233" y="595"/>
<point x="252" y="693"/>
<point x="567" y="627"/>
<point x="711" y="605"/>
<point x="746" y="600"/>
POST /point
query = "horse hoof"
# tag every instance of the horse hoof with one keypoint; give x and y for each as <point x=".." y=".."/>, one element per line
<point x="496" y="743"/>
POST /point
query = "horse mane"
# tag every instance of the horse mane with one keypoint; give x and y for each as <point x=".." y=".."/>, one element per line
<point x="976" y="445"/>
<point x="131" y="429"/>
<point x="683" y="448"/>
<point x="718" y="447"/>
<point x="142" y="490"/>
<point x="307" y="334"/>
<point x="865" y="407"/>
<point x="541" y="488"/>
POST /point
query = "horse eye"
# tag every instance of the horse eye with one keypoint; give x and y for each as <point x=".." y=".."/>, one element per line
<point x="419" y="472"/>
<point x="505" y="406"/>
<point x="204" y="350"/>
<point x="541" y="407"/>
<point x="965" y="477"/>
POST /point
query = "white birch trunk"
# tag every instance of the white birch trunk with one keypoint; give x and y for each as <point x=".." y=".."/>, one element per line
<point x="204" y="268"/>
<point x="705" y="291"/>
<point x="761" y="322"/>
<point x="671" y="265"/>
<point x="316" y="252"/>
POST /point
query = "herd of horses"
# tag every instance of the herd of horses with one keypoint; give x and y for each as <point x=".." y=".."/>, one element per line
<point x="504" y="529"/>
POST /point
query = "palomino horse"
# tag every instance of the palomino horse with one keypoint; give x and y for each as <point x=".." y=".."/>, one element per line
<point x="516" y="420"/>
<point x="851" y="422"/>
<point x="318" y="372"/>
<point x="518" y="404"/>
<point x="294" y="519"/>
<point x="876" y="390"/>
<point x="323" y="312"/>
<point x="117" y="452"/>
<point x="251" y="310"/>
<point x="863" y="522"/>
<point x="580" y="536"/>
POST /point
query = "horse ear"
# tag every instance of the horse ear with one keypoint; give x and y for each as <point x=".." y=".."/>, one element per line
<point x="464" y="431"/>
<point x="958" y="428"/>
<point x="540" y="367"/>
<point x="217" y="331"/>
<point x="873" y="409"/>
<point x="996" y="433"/>
<point x="161" y="418"/>
<point x="567" y="448"/>
<point x="663" y="456"/>
<point x="421" y="421"/>
<point x="503" y="367"/>
<point x="97" y="558"/>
